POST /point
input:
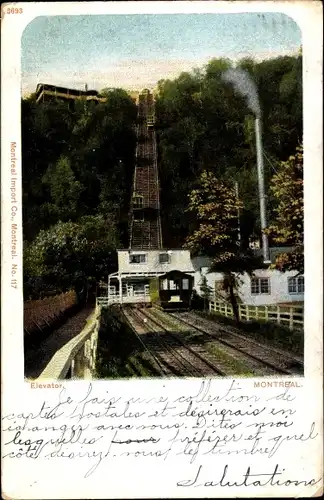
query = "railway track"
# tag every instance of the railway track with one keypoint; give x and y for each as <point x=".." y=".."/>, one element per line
<point x="206" y="365"/>
<point x="173" y="355"/>
<point x="215" y="360"/>
<point x="273" y="358"/>
<point x="234" y="362"/>
<point x="151" y="347"/>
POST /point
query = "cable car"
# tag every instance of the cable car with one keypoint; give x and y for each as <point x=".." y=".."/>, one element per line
<point x="175" y="290"/>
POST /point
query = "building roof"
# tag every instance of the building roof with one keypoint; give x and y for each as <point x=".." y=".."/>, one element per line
<point x="204" y="259"/>
<point x="175" y="272"/>
<point x="160" y="250"/>
<point x="76" y="92"/>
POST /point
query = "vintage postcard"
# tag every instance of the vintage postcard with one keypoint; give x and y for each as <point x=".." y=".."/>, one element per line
<point x="161" y="190"/>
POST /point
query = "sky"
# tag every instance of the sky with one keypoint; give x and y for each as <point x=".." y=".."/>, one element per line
<point x="136" y="51"/>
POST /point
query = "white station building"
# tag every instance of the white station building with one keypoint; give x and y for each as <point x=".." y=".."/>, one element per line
<point x="135" y="268"/>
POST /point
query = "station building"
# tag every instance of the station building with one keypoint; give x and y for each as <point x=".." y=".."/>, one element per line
<point x="131" y="283"/>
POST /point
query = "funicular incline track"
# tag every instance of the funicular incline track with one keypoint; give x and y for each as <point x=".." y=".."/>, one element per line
<point x="198" y="357"/>
<point x="174" y="357"/>
<point x="151" y="346"/>
<point x="145" y="225"/>
<point x="227" y="359"/>
<point x="201" y="360"/>
<point x="271" y="357"/>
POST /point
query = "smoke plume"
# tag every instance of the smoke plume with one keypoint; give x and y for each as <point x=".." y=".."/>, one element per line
<point x="244" y="85"/>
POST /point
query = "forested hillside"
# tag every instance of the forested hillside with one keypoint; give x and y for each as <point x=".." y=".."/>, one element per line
<point x="204" y="125"/>
<point x="78" y="164"/>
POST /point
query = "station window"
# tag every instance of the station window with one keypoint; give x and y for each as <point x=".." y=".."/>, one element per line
<point x="137" y="258"/>
<point x="296" y="285"/>
<point x="164" y="258"/>
<point x="174" y="285"/>
<point x="164" y="284"/>
<point x="185" y="284"/>
<point x="219" y="284"/>
<point x="260" y="286"/>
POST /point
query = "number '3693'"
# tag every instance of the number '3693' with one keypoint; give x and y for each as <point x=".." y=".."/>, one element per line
<point x="13" y="10"/>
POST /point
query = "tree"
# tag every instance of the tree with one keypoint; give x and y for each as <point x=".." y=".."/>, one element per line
<point x="71" y="254"/>
<point x="205" y="290"/>
<point x="216" y="206"/>
<point x="288" y="226"/>
<point x="64" y="189"/>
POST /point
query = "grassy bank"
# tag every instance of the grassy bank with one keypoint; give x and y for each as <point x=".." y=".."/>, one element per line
<point x="266" y="332"/>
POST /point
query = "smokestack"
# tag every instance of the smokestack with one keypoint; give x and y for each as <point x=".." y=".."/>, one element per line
<point x="244" y="85"/>
<point x="263" y="213"/>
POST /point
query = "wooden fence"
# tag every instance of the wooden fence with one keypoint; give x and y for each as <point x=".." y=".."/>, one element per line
<point x="77" y="358"/>
<point x="290" y="316"/>
<point x="42" y="311"/>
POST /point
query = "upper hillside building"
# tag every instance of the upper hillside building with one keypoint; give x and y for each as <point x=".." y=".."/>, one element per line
<point x="46" y="93"/>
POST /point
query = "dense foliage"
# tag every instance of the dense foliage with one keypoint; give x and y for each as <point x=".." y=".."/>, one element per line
<point x="71" y="255"/>
<point x="203" y="124"/>
<point x="288" y="223"/>
<point x="78" y="161"/>
<point x="215" y="208"/>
